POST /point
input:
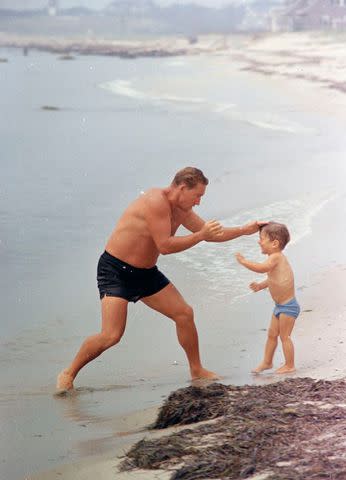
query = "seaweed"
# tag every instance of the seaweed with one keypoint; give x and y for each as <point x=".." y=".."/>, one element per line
<point x="193" y="404"/>
<point x="290" y="430"/>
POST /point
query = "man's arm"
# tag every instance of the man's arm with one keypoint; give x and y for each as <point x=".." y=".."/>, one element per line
<point x="158" y="218"/>
<point x="229" y="233"/>
<point x="264" y="267"/>
<point x="194" y="223"/>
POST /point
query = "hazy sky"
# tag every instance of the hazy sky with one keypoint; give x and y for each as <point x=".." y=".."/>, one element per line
<point x="96" y="4"/>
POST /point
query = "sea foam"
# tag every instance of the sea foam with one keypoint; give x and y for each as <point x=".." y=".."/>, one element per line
<point x="228" y="110"/>
<point x="215" y="262"/>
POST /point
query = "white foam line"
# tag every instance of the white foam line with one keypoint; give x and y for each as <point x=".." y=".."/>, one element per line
<point x="219" y="266"/>
<point x="272" y="126"/>
<point x="264" y="120"/>
<point x="124" y="88"/>
<point x="221" y="108"/>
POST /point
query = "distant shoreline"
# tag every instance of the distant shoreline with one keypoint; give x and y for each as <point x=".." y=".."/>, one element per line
<point x="158" y="47"/>
<point x="313" y="57"/>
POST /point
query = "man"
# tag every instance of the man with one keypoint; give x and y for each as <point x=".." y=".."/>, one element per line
<point x="127" y="269"/>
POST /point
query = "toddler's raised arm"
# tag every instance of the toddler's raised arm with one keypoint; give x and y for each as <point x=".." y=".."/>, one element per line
<point x="264" y="267"/>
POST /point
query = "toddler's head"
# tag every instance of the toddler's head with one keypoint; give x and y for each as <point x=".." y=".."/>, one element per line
<point x="276" y="231"/>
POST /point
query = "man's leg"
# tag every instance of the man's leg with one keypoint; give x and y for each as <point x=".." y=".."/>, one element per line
<point x="270" y="347"/>
<point x="170" y="303"/>
<point x="286" y="327"/>
<point x="114" y="313"/>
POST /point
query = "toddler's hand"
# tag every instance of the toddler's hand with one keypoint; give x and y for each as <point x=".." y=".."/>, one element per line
<point x="239" y="257"/>
<point x="255" y="287"/>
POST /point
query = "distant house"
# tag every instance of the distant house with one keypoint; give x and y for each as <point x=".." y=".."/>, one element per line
<point x="310" y="15"/>
<point x="131" y="8"/>
<point x="52" y="7"/>
<point x="256" y="16"/>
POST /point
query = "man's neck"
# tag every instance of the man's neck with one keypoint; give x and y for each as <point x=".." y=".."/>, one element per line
<point x="172" y="196"/>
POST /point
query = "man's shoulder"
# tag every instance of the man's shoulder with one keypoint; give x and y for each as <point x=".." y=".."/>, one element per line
<point x="154" y="192"/>
<point x="155" y="198"/>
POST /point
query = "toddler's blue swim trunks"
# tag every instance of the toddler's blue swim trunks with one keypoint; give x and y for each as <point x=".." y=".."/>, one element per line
<point x="291" y="308"/>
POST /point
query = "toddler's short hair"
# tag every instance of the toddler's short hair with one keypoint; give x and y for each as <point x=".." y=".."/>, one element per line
<point x="277" y="231"/>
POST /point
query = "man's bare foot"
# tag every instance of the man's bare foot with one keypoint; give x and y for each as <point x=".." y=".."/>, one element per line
<point x="203" y="373"/>
<point x="285" y="369"/>
<point x="262" y="366"/>
<point x="64" y="381"/>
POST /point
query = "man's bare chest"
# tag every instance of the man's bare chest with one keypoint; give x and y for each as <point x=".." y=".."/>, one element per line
<point x="177" y="219"/>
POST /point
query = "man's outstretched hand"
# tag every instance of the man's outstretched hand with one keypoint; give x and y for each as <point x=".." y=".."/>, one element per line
<point x="212" y="230"/>
<point x="253" y="227"/>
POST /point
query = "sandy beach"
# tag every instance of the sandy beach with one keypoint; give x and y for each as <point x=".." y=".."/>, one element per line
<point x="320" y="355"/>
<point x="314" y="57"/>
<point x="313" y="65"/>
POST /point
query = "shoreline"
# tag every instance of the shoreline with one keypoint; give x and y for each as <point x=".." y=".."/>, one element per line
<point x="313" y="362"/>
<point x="312" y="57"/>
<point x="324" y="306"/>
<point x="131" y="49"/>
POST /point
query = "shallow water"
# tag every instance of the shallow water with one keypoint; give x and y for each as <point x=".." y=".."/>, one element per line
<point x="66" y="175"/>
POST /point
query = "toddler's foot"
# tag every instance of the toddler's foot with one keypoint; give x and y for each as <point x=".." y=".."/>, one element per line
<point x="64" y="381"/>
<point x="261" y="367"/>
<point x="203" y="373"/>
<point x="285" y="369"/>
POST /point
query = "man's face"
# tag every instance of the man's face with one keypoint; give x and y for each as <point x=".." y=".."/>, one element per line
<point x="190" y="197"/>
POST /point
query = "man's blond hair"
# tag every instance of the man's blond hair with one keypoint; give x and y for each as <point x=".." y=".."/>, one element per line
<point x="190" y="176"/>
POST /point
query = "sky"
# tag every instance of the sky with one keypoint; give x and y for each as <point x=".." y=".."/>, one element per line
<point x="97" y="4"/>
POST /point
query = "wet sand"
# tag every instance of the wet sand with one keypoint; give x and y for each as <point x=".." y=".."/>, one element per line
<point x="321" y="355"/>
<point x="313" y="64"/>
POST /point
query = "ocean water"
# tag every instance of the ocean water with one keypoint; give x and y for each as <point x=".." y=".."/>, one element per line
<point x="120" y="127"/>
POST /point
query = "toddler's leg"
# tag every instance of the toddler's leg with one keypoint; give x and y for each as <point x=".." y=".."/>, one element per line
<point x="271" y="344"/>
<point x="286" y="325"/>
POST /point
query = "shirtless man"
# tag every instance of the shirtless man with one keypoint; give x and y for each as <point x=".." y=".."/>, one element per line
<point x="127" y="269"/>
<point x="280" y="282"/>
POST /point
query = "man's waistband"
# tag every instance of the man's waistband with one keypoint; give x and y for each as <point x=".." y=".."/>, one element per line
<point x="125" y="266"/>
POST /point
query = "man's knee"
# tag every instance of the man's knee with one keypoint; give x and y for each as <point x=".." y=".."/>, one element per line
<point x="185" y="314"/>
<point x="110" y="339"/>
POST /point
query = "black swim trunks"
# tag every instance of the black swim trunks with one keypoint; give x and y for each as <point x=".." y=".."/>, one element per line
<point x="116" y="278"/>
